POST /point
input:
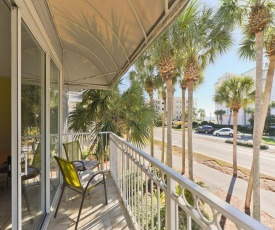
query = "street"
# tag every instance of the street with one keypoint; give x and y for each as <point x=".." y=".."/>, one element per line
<point x="216" y="147"/>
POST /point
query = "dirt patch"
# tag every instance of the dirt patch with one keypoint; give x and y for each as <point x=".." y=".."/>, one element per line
<point x="266" y="219"/>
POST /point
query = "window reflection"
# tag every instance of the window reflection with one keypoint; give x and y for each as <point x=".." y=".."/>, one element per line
<point x="54" y="127"/>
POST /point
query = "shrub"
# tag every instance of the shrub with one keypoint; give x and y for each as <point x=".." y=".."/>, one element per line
<point x="245" y="129"/>
<point x="178" y="126"/>
<point x="270" y="132"/>
<point x="212" y="124"/>
<point x="195" y="124"/>
<point x="247" y="144"/>
<point x="218" y="126"/>
<point x="204" y="123"/>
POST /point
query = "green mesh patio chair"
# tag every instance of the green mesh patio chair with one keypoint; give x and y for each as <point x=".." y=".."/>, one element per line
<point x="81" y="183"/>
<point x="74" y="153"/>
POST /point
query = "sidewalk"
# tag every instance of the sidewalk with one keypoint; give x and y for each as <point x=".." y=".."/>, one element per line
<point x="217" y="181"/>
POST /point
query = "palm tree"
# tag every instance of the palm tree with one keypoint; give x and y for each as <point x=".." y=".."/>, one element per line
<point x="271" y="106"/>
<point x="270" y="50"/>
<point x="126" y="114"/>
<point x="201" y="113"/>
<point x="201" y="40"/>
<point x="221" y="116"/>
<point x="217" y="115"/>
<point x="183" y="85"/>
<point x="258" y="15"/>
<point x="230" y="115"/>
<point x="236" y="93"/>
<point x="144" y="73"/>
<point x="259" y="18"/>
<point x="163" y="53"/>
<point x="162" y="93"/>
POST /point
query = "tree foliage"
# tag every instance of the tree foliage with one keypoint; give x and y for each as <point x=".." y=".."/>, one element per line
<point x="124" y="113"/>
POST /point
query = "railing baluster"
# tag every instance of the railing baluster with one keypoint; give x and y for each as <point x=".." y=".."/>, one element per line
<point x="147" y="227"/>
<point x="189" y="222"/>
<point x="177" y="216"/>
<point x="158" y="209"/>
<point x="152" y="204"/>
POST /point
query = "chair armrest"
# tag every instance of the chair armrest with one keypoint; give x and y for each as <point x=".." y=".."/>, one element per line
<point x="93" y="176"/>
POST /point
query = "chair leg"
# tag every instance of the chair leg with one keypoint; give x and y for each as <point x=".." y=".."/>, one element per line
<point x="62" y="191"/>
<point x="105" y="189"/>
<point x="80" y="209"/>
<point x="25" y="195"/>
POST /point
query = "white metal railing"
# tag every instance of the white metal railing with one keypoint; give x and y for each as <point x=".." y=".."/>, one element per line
<point x="157" y="197"/>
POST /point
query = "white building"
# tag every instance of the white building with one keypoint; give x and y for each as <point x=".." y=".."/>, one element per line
<point x="242" y="116"/>
<point x="177" y="106"/>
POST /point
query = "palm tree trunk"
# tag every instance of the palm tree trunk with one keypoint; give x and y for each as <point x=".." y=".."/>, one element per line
<point x="249" y="193"/>
<point x="152" y="129"/>
<point x="183" y="130"/>
<point x="257" y="134"/>
<point x="244" y="116"/>
<point x="267" y="90"/>
<point x="190" y="85"/>
<point x="230" y="114"/>
<point x="266" y="98"/>
<point x="170" y="90"/>
<point x="163" y="130"/>
<point x="235" y="168"/>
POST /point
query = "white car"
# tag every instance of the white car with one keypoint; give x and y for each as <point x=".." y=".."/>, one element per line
<point x="224" y="132"/>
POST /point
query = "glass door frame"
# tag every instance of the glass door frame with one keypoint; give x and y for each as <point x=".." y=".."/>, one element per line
<point x="30" y="17"/>
<point x="16" y="117"/>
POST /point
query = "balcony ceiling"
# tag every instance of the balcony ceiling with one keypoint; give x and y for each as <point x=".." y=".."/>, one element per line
<point x="101" y="39"/>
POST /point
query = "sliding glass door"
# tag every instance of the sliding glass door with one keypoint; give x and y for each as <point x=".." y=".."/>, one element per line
<point x="32" y="129"/>
<point x="35" y="81"/>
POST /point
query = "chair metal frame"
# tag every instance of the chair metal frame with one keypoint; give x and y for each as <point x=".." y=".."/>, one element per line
<point x="80" y="164"/>
<point x="70" y="181"/>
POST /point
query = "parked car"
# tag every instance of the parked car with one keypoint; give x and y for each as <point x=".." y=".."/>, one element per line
<point x="224" y="132"/>
<point x="205" y="129"/>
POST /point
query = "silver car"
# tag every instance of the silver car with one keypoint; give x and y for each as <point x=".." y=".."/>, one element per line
<point x="224" y="132"/>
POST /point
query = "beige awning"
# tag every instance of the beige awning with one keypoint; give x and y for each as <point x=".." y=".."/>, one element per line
<point x="101" y="39"/>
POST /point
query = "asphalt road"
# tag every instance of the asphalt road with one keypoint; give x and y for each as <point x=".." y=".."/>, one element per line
<point x="213" y="146"/>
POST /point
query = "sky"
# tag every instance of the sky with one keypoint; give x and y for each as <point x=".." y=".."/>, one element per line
<point x="227" y="62"/>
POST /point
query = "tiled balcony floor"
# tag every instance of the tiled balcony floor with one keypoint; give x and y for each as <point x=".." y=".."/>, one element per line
<point x="95" y="213"/>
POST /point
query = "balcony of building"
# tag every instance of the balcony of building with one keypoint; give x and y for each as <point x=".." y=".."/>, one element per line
<point x="143" y="193"/>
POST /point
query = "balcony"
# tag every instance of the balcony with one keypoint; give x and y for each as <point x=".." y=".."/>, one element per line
<point x="143" y="193"/>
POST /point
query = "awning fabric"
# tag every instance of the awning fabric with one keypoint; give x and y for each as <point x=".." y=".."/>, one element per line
<point x="101" y="39"/>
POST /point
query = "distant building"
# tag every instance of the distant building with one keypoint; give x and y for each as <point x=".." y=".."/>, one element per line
<point x="177" y="106"/>
<point x="243" y="117"/>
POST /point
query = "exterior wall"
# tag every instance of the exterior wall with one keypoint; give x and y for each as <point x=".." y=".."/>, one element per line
<point x="241" y="115"/>
<point x="5" y="118"/>
<point x="159" y="106"/>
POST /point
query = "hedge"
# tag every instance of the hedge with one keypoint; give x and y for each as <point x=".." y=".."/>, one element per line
<point x="247" y="144"/>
